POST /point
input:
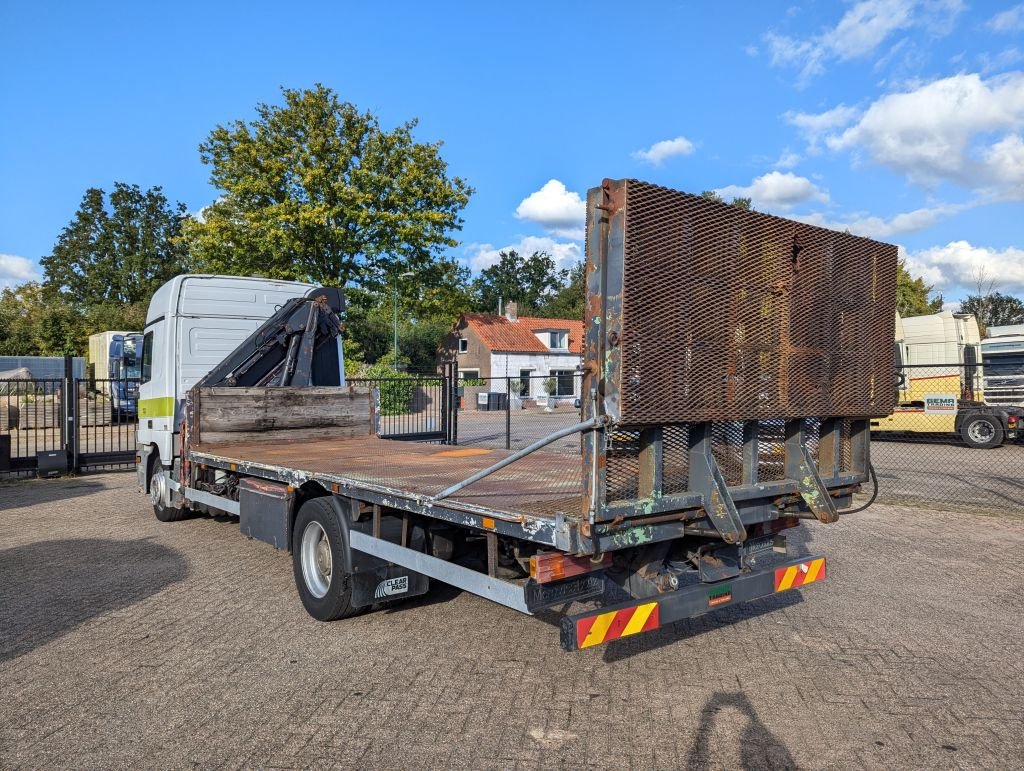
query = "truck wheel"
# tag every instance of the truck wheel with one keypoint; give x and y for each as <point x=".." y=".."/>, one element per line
<point x="317" y="548"/>
<point x="982" y="431"/>
<point x="158" y="493"/>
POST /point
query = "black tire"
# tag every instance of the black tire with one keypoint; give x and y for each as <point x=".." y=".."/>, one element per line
<point x="982" y="431"/>
<point x="324" y="586"/>
<point x="163" y="512"/>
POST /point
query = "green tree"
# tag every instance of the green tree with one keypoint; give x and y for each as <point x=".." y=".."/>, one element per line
<point x="912" y="294"/>
<point x="315" y="189"/>
<point x="740" y="203"/>
<point x="33" y="324"/>
<point x="119" y="253"/>
<point x="569" y="302"/>
<point x="529" y="281"/>
<point x="994" y="309"/>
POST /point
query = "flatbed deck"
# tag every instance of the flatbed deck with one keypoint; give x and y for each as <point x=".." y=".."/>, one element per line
<point x="528" y="496"/>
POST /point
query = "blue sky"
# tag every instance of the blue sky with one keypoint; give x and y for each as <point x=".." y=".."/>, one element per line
<point x="898" y="119"/>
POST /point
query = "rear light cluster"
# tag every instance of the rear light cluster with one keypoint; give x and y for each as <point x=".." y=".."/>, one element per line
<point x="554" y="566"/>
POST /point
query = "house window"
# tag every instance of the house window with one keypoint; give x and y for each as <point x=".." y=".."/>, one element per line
<point x="559" y="340"/>
<point x="469" y="374"/>
<point x="463" y="345"/>
<point x="524" y="382"/>
<point x="565" y="381"/>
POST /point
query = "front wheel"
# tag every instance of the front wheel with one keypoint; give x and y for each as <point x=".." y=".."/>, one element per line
<point x="160" y="493"/>
<point x="318" y="544"/>
<point x="981" y="431"/>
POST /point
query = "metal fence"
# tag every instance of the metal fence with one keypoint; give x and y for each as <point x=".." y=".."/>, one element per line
<point x="936" y="450"/>
<point x="51" y="425"/>
<point x="944" y="447"/>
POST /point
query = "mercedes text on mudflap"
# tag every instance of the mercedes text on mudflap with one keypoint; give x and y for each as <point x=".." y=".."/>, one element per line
<point x="732" y="363"/>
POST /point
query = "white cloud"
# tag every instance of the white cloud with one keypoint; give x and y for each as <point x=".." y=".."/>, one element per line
<point x="872" y="226"/>
<point x="960" y="264"/>
<point x="565" y="253"/>
<point x="860" y="31"/>
<point x="17" y="270"/>
<point x="788" y="159"/>
<point x="961" y="129"/>
<point x="1003" y="60"/>
<point x="666" y="148"/>
<point x="1010" y="20"/>
<point x="812" y="126"/>
<point x="560" y="211"/>
<point x="777" y="189"/>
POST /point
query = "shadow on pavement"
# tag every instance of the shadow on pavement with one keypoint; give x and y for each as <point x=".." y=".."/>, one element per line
<point x="759" y="747"/>
<point x="50" y="587"/>
<point x="32" y="492"/>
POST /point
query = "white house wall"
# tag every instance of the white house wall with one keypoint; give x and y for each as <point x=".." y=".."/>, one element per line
<point x="508" y="365"/>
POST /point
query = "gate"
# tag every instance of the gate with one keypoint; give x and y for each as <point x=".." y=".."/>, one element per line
<point x="417" y="407"/>
<point x="52" y="425"/>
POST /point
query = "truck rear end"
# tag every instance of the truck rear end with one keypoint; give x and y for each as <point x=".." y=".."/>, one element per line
<point x="732" y="363"/>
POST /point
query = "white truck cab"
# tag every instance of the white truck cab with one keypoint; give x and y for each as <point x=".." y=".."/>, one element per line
<point x="193" y="322"/>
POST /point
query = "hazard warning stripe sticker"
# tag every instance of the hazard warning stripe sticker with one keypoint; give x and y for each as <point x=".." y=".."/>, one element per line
<point x="799" y="574"/>
<point x="604" y="627"/>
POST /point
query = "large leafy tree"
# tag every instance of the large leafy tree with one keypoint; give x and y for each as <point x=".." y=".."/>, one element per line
<point x="994" y="309"/>
<point x="529" y="281"/>
<point x="117" y="252"/>
<point x="31" y="324"/>
<point x="315" y="189"/>
<point x="570" y="301"/>
<point x="913" y="295"/>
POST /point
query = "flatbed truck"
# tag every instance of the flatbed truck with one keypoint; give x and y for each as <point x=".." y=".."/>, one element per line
<point x="707" y="328"/>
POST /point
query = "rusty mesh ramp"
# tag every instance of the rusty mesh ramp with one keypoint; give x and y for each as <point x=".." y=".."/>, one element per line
<point x="727" y="314"/>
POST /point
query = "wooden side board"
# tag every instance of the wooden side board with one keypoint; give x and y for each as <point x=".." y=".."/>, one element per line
<point x="269" y="414"/>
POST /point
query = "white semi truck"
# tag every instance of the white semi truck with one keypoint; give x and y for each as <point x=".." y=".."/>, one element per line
<point x="942" y="384"/>
<point x="1002" y="356"/>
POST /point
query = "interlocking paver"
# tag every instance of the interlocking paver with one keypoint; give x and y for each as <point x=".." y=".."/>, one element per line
<point x="125" y="642"/>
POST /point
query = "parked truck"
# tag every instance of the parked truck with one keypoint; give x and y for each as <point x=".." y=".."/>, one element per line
<point x="702" y="320"/>
<point x="114" y="359"/>
<point x="943" y="382"/>
<point x="1002" y="357"/>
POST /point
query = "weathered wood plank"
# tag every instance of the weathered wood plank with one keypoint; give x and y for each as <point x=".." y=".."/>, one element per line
<point x="211" y="438"/>
<point x="253" y="412"/>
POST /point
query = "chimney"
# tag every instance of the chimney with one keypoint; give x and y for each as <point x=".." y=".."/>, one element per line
<point x="512" y="311"/>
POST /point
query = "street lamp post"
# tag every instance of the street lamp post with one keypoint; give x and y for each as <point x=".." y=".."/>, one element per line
<point x="394" y="362"/>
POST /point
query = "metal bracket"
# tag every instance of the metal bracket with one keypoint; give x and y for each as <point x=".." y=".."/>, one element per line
<point x="707" y="479"/>
<point x="502" y="592"/>
<point x="801" y="467"/>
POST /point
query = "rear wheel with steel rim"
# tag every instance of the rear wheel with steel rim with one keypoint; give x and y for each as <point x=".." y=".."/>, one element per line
<point x="982" y="431"/>
<point x="318" y="546"/>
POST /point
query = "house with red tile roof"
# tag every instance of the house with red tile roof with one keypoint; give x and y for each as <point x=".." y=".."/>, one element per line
<point x="537" y="354"/>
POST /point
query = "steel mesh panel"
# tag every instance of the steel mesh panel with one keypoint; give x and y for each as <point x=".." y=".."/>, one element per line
<point x="730" y="314"/>
<point x="622" y="467"/>
<point x="727" y="447"/>
<point x="771" y="451"/>
<point x="846" y="447"/>
<point x="675" y="477"/>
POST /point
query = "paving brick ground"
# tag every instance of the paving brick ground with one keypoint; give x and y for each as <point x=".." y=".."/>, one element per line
<point x="124" y="642"/>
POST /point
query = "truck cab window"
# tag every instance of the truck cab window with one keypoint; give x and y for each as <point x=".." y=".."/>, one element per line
<point x="147" y="357"/>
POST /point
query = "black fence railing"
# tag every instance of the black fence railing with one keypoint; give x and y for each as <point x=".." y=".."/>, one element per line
<point x="43" y="430"/>
<point x="947" y="445"/>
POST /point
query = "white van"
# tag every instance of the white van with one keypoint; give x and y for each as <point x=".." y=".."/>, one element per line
<point x="193" y="323"/>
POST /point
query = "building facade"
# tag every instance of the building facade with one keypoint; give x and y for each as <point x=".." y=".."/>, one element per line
<point x="538" y="359"/>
